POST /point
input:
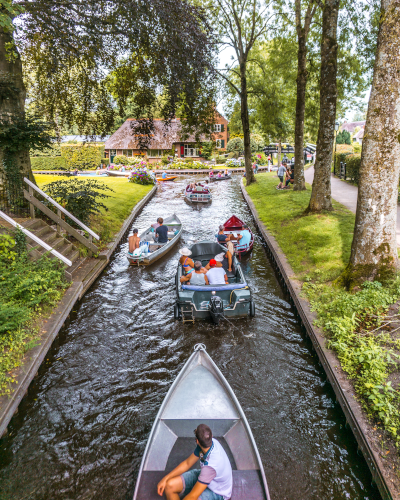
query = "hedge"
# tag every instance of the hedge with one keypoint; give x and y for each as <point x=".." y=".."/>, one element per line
<point x="342" y="151"/>
<point x="353" y="163"/>
<point x="53" y="150"/>
<point x="106" y="161"/>
<point x="48" y="163"/>
<point x="83" y="156"/>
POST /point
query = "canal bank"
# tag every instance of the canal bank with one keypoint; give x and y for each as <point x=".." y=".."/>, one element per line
<point x="82" y="280"/>
<point x="81" y="431"/>
<point x="383" y="470"/>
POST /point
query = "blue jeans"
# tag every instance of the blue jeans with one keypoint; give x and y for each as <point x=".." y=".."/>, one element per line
<point x="189" y="479"/>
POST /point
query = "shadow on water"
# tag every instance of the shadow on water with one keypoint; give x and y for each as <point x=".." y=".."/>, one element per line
<point x="81" y="432"/>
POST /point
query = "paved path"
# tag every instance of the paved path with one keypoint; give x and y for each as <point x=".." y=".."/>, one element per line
<point x="346" y="194"/>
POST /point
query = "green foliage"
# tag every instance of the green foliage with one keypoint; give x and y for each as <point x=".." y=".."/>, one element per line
<point x="142" y="177"/>
<point x="80" y="197"/>
<point x="105" y="161"/>
<point x="357" y="147"/>
<point x="235" y="144"/>
<point x="48" y="163"/>
<point x="53" y="150"/>
<point x="20" y="242"/>
<point x="341" y="154"/>
<point x="164" y="160"/>
<point x="7" y="252"/>
<point x="121" y="160"/>
<point x="353" y="163"/>
<point x="82" y="156"/>
<point x="207" y="149"/>
<point x="343" y="137"/>
<point x="20" y="134"/>
<point x="181" y="164"/>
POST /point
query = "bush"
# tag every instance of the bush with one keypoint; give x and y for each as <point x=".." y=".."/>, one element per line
<point x="142" y="177"/>
<point x="180" y="164"/>
<point x="256" y="141"/>
<point x="357" y="147"/>
<point x="82" y="156"/>
<point x="343" y="137"/>
<point x="80" y="197"/>
<point x="53" y="150"/>
<point x="48" y="163"/>
<point x="207" y="149"/>
<point x="353" y="163"/>
<point x="259" y="158"/>
<point x="342" y="151"/>
<point x="106" y="161"/>
<point x="235" y="144"/>
<point x="121" y="160"/>
<point x="235" y="163"/>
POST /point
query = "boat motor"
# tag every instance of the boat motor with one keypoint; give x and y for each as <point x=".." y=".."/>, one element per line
<point x="216" y="308"/>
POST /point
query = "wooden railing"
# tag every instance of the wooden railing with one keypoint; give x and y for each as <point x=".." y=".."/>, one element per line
<point x="34" y="202"/>
<point x="36" y="239"/>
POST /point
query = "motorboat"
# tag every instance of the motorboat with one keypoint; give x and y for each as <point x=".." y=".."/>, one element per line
<point x="149" y="250"/>
<point x="197" y="195"/>
<point x="118" y="173"/>
<point x="224" y="177"/>
<point x="201" y="394"/>
<point x="235" y="226"/>
<point x="168" y="178"/>
<point x="215" y="302"/>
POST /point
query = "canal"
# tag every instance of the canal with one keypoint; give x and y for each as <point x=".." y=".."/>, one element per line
<point x="81" y="431"/>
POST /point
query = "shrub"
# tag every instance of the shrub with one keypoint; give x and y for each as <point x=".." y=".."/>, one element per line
<point x="82" y="156"/>
<point x="357" y="147"/>
<point x="53" y="150"/>
<point x="120" y="160"/>
<point x="342" y="151"/>
<point x="259" y="158"/>
<point x="180" y="164"/>
<point x="142" y="177"/>
<point x="256" y="141"/>
<point x="235" y="163"/>
<point x="235" y="144"/>
<point x="78" y="196"/>
<point x="105" y="161"/>
<point x="207" y="149"/>
<point x="343" y="137"/>
<point x="7" y="245"/>
<point x="353" y="163"/>
<point x="164" y="160"/>
<point x="48" y="163"/>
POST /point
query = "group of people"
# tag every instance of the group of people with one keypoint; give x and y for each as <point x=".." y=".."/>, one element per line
<point x="286" y="176"/>
<point x="213" y="273"/>
<point x="197" y="187"/>
<point x="161" y="235"/>
<point x="219" y="175"/>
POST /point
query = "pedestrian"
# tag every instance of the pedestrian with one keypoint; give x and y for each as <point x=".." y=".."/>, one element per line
<point x="281" y="173"/>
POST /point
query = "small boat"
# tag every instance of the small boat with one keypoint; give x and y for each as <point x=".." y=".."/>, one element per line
<point x="169" y="178"/>
<point x="213" y="301"/>
<point x="234" y="225"/>
<point x="118" y="173"/>
<point x="203" y="196"/>
<point x="201" y="394"/>
<point x="150" y="251"/>
<point x="215" y="178"/>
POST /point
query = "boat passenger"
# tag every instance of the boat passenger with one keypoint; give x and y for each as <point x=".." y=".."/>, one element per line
<point x="197" y="277"/>
<point x="216" y="275"/>
<point x="162" y="232"/>
<point x="164" y="175"/>
<point x="226" y="172"/>
<point x="219" y="174"/>
<point x="223" y="259"/>
<point x="187" y="264"/>
<point x="227" y="240"/>
<point x="134" y="241"/>
<point x="245" y="236"/>
<point x="211" y="174"/>
<point x="214" y="477"/>
<point x="156" y="224"/>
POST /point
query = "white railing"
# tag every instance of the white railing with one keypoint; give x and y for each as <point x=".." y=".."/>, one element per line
<point x="62" y="209"/>
<point x="36" y="239"/>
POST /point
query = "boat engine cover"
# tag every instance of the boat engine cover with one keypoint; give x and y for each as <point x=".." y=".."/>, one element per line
<point x="216" y="308"/>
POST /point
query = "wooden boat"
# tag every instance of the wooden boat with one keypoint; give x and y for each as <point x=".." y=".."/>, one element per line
<point x="169" y="178"/>
<point x="215" y="178"/>
<point x="201" y="394"/>
<point x="234" y="225"/>
<point x="118" y="173"/>
<point x="198" y="196"/>
<point x="213" y="301"/>
<point x="150" y="251"/>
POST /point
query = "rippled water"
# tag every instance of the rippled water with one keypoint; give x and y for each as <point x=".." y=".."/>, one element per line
<point x="81" y="432"/>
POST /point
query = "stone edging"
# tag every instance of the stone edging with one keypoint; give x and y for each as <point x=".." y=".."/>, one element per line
<point x="34" y="358"/>
<point x="342" y="387"/>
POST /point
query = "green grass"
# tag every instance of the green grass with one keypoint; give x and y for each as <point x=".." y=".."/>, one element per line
<point x="120" y="203"/>
<point x="312" y="243"/>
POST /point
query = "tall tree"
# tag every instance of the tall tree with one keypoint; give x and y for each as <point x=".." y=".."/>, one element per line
<point x="374" y="247"/>
<point x="321" y="189"/>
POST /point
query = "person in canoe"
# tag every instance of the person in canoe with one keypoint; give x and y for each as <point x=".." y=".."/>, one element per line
<point x="187" y="263"/>
<point x="211" y="174"/>
<point x="197" y="277"/>
<point x="213" y="481"/>
<point x="226" y="172"/>
<point x="164" y="175"/>
<point x="134" y="241"/>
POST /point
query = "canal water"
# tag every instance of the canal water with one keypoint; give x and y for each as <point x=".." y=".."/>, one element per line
<point x="81" y="432"/>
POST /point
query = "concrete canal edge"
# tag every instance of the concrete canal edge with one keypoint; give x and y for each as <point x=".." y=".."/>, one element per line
<point x="342" y="387"/>
<point x="34" y="357"/>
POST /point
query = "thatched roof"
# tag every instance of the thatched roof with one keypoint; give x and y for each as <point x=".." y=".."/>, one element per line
<point x="163" y="137"/>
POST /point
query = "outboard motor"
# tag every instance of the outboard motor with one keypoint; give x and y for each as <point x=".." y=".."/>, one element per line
<point x="216" y="308"/>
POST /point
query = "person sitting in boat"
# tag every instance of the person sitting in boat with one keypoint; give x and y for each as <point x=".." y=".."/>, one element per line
<point x="245" y="236"/>
<point x="226" y="172"/>
<point x="219" y="174"/>
<point x="214" y="477"/>
<point x="187" y="263"/>
<point x="223" y="259"/>
<point x="156" y="224"/>
<point x="197" y="277"/>
<point x="161" y="232"/>
<point x="134" y="241"/>
<point x="227" y="240"/>
<point x="216" y="275"/>
<point x="211" y="174"/>
<point x="164" y="175"/>
<point x="199" y="188"/>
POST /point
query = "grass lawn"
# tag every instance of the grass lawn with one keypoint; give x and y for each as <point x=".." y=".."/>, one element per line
<point x="120" y="204"/>
<point x="313" y="244"/>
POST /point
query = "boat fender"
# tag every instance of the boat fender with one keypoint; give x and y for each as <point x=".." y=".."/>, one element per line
<point x="252" y="309"/>
<point x="177" y="312"/>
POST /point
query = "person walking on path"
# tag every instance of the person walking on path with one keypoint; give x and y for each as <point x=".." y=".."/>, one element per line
<point x="281" y="173"/>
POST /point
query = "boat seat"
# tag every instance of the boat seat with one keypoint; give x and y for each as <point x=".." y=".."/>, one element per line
<point x="247" y="485"/>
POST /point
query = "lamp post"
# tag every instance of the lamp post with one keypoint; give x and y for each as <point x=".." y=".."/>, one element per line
<point x="334" y="158"/>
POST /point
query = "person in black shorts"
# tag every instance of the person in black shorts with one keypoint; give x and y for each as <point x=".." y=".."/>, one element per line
<point x="289" y="178"/>
<point x="162" y="232"/>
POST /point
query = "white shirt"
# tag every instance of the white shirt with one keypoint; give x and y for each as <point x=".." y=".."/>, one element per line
<point x="216" y="276"/>
<point x="218" y="463"/>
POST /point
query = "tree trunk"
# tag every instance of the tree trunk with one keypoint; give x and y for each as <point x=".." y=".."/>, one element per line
<point x="374" y="247"/>
<point x="279" y="151"/>
<point x="321" y="189"/>
<point x="246" y="125"/>
<point x="12" y="105"/>
<point x="299" y="181"/>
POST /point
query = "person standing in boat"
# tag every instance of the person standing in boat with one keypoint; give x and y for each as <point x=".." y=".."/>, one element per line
<point x="213" y="481"/>
<point x="134" y="241"/>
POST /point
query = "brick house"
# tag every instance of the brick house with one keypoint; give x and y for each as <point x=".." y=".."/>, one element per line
<point x="163" y="140"/>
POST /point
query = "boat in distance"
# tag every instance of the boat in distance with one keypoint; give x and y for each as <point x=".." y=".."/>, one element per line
<point x="118" y="173"/>
<point x="168" y="178"/>
<point x="149" y="250"/>
<point x="234" y="225"/>
<point x="215" y="178"/>
<point x="201" y="394"/>
<point x="213" y="301"/>
<point x="198" y="196"/>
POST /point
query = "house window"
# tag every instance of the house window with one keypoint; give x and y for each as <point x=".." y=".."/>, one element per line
<point x="220" y="143"/>
<point x="190" y="150"/>
<point x="217" y="127"/>
<point x="128" y="153"/>
<point x="154" y="153"/>
<point x="113" y="152"/>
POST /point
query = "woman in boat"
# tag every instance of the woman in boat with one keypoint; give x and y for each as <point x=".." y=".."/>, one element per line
<point x="197" y="277"/>
<point x="211" y="174"/>
<point x="134" y="241"/>
<point x="226" y="172"/>
<point x="187" y="263"/>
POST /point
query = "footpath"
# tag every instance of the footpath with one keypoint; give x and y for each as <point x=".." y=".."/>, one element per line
<point x="346" y="194"/>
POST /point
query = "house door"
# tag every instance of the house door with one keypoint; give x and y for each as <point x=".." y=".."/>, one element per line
<point x="112" y="158"/>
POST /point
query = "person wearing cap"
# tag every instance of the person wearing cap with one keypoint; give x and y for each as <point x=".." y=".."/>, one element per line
<point x="216" y="275"/>
<point x="134" y="241"/>
<point x="197" y="277"/>
<point x="223" y="260"/>
<point x="213" y="481"/>
<point x="187" y="263"/>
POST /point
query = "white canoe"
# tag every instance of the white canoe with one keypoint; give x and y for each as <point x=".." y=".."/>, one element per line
<point x="157" y="250"/>
<point x="201" y="394"/>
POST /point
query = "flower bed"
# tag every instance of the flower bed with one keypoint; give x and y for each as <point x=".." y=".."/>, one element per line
<point x="179" y="164"/>
<point x="142" y="177"/>
<point x="233" y="162"/>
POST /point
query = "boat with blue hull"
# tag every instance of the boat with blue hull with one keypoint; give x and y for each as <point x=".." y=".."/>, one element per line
<point x="213" y="301"/>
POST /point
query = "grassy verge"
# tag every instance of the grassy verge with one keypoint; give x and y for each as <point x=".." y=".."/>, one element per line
<point x="120" y="204"/>
<point x="361" y="326"/>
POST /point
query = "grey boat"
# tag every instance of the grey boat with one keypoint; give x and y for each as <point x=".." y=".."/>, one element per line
<point x="213" y="301"/>
<point x="198" y="196"/>
<point x="149" y="250"/>
<point x="201" y="394"/>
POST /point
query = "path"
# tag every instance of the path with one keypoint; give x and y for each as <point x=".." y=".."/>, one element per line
<point x="346" y="194"/>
